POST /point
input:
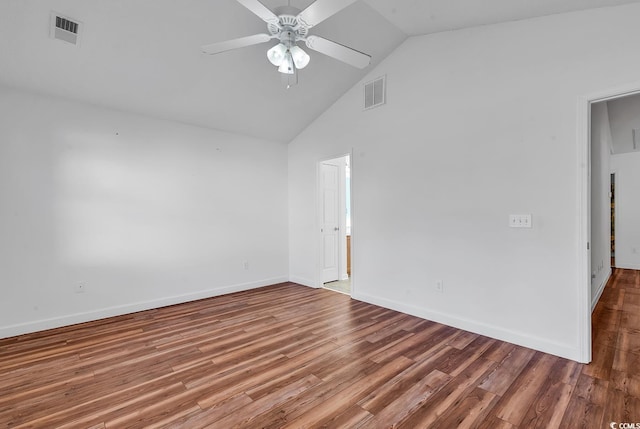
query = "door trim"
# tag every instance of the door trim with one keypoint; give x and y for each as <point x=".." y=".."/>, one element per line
<point x="584" y="210"/>
<point x="318" y="235"/>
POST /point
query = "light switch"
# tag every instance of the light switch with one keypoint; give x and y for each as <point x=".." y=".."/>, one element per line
<point x="520" y="221"/>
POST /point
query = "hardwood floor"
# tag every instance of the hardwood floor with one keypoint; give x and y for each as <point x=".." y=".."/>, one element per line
<point x="288" y="356"/>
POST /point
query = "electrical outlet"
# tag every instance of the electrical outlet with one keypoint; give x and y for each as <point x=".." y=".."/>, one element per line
<point x="520" y="221"/>
<point x="439" y="286"/>
<point x="80" y="288"/>
<point x="245" y="265"/>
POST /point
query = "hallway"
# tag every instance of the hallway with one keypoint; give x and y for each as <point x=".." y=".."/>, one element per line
<point x="609" y="387"/>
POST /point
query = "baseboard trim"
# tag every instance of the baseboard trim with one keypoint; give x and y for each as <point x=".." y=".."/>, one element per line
<point x="303" y="281"/>
<point x="595" y="299"/>
<point x="103" y="313"/>
<point x="536" y="343"/>
<point x="627" y="266"/>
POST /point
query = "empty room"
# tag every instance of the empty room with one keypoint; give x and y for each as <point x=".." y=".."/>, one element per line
<point x="319" y="213"/>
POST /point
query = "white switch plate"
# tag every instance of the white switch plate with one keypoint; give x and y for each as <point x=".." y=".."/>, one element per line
<point x="520" y="221"/>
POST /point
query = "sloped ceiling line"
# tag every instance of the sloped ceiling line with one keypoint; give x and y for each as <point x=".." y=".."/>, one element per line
<point x="144" y="56"/>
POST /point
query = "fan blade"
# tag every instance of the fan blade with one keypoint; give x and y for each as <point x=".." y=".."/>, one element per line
<point x="216" y="48"/>
<point x="261" y="10"/>
<point x="338" y="51"/>
<point x="320" y="10"/>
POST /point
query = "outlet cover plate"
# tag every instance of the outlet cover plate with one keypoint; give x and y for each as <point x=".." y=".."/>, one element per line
<point x="520" y="221"/>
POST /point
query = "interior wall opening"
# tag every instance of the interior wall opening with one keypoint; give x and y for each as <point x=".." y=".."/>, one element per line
<point x="613" y="159"/>
<point x="613" y="220"/>
<point x="334" y="189"/>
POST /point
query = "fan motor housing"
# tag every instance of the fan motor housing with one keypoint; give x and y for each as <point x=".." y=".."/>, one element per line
<point x="288" y="21"/>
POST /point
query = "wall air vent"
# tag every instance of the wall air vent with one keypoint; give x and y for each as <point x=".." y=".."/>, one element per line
<point x="375" y="93"/>
<point x="65" y="29"/>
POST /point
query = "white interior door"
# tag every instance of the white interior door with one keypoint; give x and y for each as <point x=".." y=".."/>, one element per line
<point x="330" y="222"/>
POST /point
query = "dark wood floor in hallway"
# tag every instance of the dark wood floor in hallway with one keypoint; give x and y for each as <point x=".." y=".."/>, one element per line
<point x="290" y="356"/>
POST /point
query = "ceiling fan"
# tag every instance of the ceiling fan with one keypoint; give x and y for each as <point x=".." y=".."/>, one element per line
<point x="290" y="25"/>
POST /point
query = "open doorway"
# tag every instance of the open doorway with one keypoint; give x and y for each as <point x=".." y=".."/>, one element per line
<point x="334" y="197"/>
<point x="613" y="220"/>
<point x="609" y="126"/>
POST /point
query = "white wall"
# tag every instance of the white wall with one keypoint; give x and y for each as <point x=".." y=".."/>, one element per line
<point x="480" y="123"/>
<point x="624" y="114"/>
<point x="627" y="168"/>
<point x="145" y="212"/>
<point x="601" y="144"/>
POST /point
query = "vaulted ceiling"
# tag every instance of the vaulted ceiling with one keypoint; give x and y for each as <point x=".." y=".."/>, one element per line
<point x="144" y="56"/>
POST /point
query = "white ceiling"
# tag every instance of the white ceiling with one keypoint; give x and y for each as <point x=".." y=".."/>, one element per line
<point x="416" y="17"/>
<point x="144" y="55"/>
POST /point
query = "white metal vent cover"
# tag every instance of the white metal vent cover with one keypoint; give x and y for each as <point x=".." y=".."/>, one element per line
<point x="375" y="92"/>
<point x="65" y="28"/>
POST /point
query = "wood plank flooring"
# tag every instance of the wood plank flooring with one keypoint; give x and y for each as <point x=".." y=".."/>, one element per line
<point x="287" y="356"/>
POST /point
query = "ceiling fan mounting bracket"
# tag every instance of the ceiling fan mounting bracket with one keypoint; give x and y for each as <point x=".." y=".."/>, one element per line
<point x="288" y="23"/>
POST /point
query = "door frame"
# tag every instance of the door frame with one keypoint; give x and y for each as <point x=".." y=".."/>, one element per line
<point x="318" y="222"/>
<point x="584" y="210"/>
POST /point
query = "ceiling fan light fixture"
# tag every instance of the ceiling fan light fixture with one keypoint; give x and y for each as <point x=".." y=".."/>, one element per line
<point x="300" y="58"/>
<point x="291" y="26"/>
<point x="277" y="54"/>
<point x="287" y="66"/>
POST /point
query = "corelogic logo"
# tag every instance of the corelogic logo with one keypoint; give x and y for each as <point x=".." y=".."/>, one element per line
<point x="615" y="425"/>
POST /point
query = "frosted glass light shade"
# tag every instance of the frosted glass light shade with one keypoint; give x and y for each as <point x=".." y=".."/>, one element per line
<point x="277" y="54"/>
<point x="287" y="65"/>
<point x="300" y="57"/>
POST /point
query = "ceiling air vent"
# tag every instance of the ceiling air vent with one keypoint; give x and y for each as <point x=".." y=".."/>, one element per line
<point x="65" y="29"/>
<point x="374" y="93"/>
